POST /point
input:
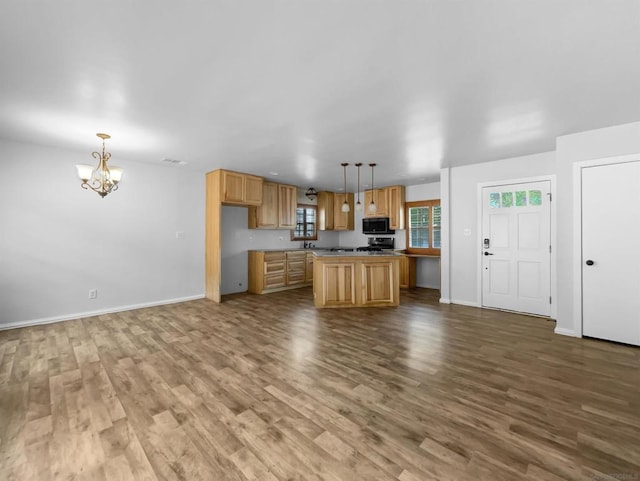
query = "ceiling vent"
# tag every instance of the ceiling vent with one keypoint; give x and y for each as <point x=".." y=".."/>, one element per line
<point x="168" y="160"/>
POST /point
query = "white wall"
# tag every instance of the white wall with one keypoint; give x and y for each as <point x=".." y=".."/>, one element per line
<point x="463" y="213"/>
<point x="594" y="144"/>
<point x="237" y="239"/>
<point x="57" y="240"/>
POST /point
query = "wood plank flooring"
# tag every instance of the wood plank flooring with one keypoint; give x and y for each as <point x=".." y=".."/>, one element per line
<point x="269" y="388"/>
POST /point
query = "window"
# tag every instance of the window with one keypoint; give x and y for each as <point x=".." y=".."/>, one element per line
<point x="305" y="223"/>
<point x="423" y="227"/>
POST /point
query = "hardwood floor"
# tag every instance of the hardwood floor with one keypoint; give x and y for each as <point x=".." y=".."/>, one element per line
<point x="269" y="388"/>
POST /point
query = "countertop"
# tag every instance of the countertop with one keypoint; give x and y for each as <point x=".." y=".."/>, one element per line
<point x="388" y="253"/>
<point x="292" y="249"/>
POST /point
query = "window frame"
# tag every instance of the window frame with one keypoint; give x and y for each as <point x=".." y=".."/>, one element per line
<point x="427" y="251"/>
<point x="293" y="231"/>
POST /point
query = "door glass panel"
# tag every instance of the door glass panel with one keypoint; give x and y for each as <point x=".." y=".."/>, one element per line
<point x="494" y="200"/>
<point x="507" y="199"/>
<point x="535" y="197"/>
<point x="521" y="198"/>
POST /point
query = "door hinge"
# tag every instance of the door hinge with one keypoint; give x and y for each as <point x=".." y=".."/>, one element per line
<point x="549" y="299"/>
<point x="549" y="249"/>
<point x="550" y="196"/>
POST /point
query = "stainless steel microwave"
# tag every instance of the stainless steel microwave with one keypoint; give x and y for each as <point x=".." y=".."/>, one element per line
<point x="376" y="225"/>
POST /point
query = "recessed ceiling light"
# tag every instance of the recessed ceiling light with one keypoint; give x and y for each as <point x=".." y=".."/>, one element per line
<point x="273" y="173"/>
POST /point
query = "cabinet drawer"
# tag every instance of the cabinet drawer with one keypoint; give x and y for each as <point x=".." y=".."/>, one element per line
<point x="296" y="277"/>
<point x="273" y="267"/>
<point x="296" y="266"/>
<point x="274" y="280"/>
<point x="296" y="255"/>
<point x="273" y="256"/>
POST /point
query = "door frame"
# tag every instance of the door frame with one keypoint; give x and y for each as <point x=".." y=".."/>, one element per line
<point x="552" y="272"/>
<point x="577" y="233"/>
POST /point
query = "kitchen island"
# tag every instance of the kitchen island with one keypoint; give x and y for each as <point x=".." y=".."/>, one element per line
<point x="356" y="279"/>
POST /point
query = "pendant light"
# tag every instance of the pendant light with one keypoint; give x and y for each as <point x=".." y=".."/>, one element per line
<point x="358" y="204"/>
<point x="372" y="206"/>
<point x="345" y="204"/>
<point x="102" y="179"/>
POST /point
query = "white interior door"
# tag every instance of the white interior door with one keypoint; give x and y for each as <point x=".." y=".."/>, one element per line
<point x="611" y="252"/>
<point x="516" y="247"/>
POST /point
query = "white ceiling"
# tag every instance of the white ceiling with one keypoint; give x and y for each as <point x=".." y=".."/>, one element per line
<point x="299" y="86"/>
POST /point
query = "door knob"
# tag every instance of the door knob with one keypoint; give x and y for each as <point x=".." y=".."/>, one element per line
<point x="589" y="262"/>
<point x="488" y="253"/>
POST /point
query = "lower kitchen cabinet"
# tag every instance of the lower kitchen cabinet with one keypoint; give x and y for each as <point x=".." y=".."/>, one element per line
<point x="356" y="281"/>
<point x="308" y="271"/>
<point x="407" y="272"/>
<point x="271" y="271"/>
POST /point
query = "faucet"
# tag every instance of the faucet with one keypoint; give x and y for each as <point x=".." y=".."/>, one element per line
<point x="306" y="245"/>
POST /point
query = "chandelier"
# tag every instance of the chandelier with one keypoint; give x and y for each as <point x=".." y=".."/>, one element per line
<point x="102" y="179"/>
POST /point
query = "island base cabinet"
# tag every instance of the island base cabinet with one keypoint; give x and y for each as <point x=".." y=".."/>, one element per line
<point x="360" y="282"/>
<point x="338" y="289"/>
<point x="377" y="284"/>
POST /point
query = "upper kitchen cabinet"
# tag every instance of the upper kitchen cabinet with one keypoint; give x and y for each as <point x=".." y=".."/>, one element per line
<point x="287" y="205"/>
<point x="342" y="220"/>
<point x="241" y="189"/>
<point x="325" y="210"/>
<point x="395" y="198"/>
<point x="278" y="209"/>
<point x="330" y="215"/>
<point x="265" y="216"/>
<point x="380" y="199"/>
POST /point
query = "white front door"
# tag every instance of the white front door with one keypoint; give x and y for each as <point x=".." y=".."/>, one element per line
<point x="516" y="247"/>
<point x="611" y="252"/>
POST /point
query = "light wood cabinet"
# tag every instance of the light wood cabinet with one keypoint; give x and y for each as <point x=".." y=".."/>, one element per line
<point x="278" y="209"/>
<point x="308" y="271"/>
<point x="377" y="283"/>
<point x="267" y="271"/>
<point x="379" y="197"/>
<point x="296" y="263"/>
<point x="354" y="281"/>
<point x="342" y="220"/>
<point x="273" y="271"/>
<point x="287" y="205"/>
<point x="325" y="211"/>
<point x="242" y="189"/>
<point x="407" y="272"/>
<point x="265" y="216"/>
<point x="395" y="197"/>
<point x="329" y="211"/>
<point x="338" y="286"/>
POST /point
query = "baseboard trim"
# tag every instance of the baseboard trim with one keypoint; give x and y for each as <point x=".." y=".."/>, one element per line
<point x="445" y="301"/>
<point x="465" y="303"/>
<point x="110" y="310"/>
<point x="565" y="332"/>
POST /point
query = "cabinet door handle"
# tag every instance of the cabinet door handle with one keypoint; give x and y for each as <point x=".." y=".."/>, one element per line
<point x="488" y="253"/>
<point x="589" y="262"/>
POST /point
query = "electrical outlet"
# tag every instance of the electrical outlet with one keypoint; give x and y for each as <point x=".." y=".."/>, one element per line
<point x="93" y="293"/>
